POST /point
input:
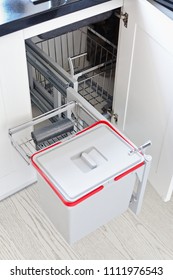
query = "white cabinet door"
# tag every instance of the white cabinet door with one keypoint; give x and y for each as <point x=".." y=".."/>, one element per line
<point x="144" y="87"/>
<point x="15" y="108"/>
<point x="4" y="154"/>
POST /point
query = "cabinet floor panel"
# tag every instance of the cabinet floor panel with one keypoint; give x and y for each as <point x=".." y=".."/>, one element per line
<point x="26" y="233"/>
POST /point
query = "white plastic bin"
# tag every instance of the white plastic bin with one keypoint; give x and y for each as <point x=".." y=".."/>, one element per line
<point x="87" y="180"/>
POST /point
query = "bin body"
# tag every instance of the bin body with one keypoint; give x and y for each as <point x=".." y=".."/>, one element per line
<point x="95" y="191"/>
<point x="76" y="222"/>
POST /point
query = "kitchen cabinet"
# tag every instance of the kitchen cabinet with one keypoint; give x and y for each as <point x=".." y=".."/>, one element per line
<point x="15" y="106"/>
<point x="142" y="95"/>
<point x="143" y="88"/>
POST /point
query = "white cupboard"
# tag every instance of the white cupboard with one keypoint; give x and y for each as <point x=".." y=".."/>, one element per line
<point x="142" y="94"/>
<point x="144" y="87"/>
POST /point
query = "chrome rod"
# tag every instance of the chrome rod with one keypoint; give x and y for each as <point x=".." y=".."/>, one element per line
<point x="141" y="148"/>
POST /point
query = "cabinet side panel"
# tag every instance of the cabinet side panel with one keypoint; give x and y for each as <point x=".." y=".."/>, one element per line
<point x="5" y="157"/>
<point x="15" y="108"/>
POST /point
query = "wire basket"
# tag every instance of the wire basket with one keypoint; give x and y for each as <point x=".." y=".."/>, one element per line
<point x="21" y="136"/>
<point x="89" y="58"/>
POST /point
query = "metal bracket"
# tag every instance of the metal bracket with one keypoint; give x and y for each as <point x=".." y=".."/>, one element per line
<point x="124" y="17"/>
<point x="115" y="117"/>
<point x="109" y="114"/>
<point x="141" y="148"/>
<point x="137" y="196"/>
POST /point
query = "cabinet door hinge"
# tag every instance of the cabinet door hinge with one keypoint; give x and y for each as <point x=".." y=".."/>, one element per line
<point x="110" y="115"/>
<point x="124" y="17"/>
<point x="115" y="117"/>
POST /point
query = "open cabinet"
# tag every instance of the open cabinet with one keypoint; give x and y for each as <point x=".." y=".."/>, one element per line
<point x="141" y="92"/>
<point x="143" y="88"/>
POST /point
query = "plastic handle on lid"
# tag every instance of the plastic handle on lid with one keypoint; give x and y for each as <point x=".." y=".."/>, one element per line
<point x="92" y="164"/>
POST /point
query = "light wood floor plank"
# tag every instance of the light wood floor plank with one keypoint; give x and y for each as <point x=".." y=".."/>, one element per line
<point x="147" y="236"/>
<point x="29" y="229"/>
<point x="26" y="232"/>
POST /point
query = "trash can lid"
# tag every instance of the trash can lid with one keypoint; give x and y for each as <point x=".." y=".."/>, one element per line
<point x="78" y="167"/>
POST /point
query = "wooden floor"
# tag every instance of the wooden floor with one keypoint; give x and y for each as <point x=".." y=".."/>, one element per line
<point x="26" y="233"/>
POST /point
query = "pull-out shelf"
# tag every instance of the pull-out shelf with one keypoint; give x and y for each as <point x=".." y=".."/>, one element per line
<point x="81" y="90"/>
<point x="21" y="136"/>
<point x="81" y="118"/>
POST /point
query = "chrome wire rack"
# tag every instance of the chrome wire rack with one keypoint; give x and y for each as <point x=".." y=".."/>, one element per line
<point x="21" y="136"/>
<point x="88" y="58"/>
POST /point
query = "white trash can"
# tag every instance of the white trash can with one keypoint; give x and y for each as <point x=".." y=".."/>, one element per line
<point x="87" y="180"/>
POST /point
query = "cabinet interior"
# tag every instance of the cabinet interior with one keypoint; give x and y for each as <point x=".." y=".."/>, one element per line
<point x="80" y="57"/>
